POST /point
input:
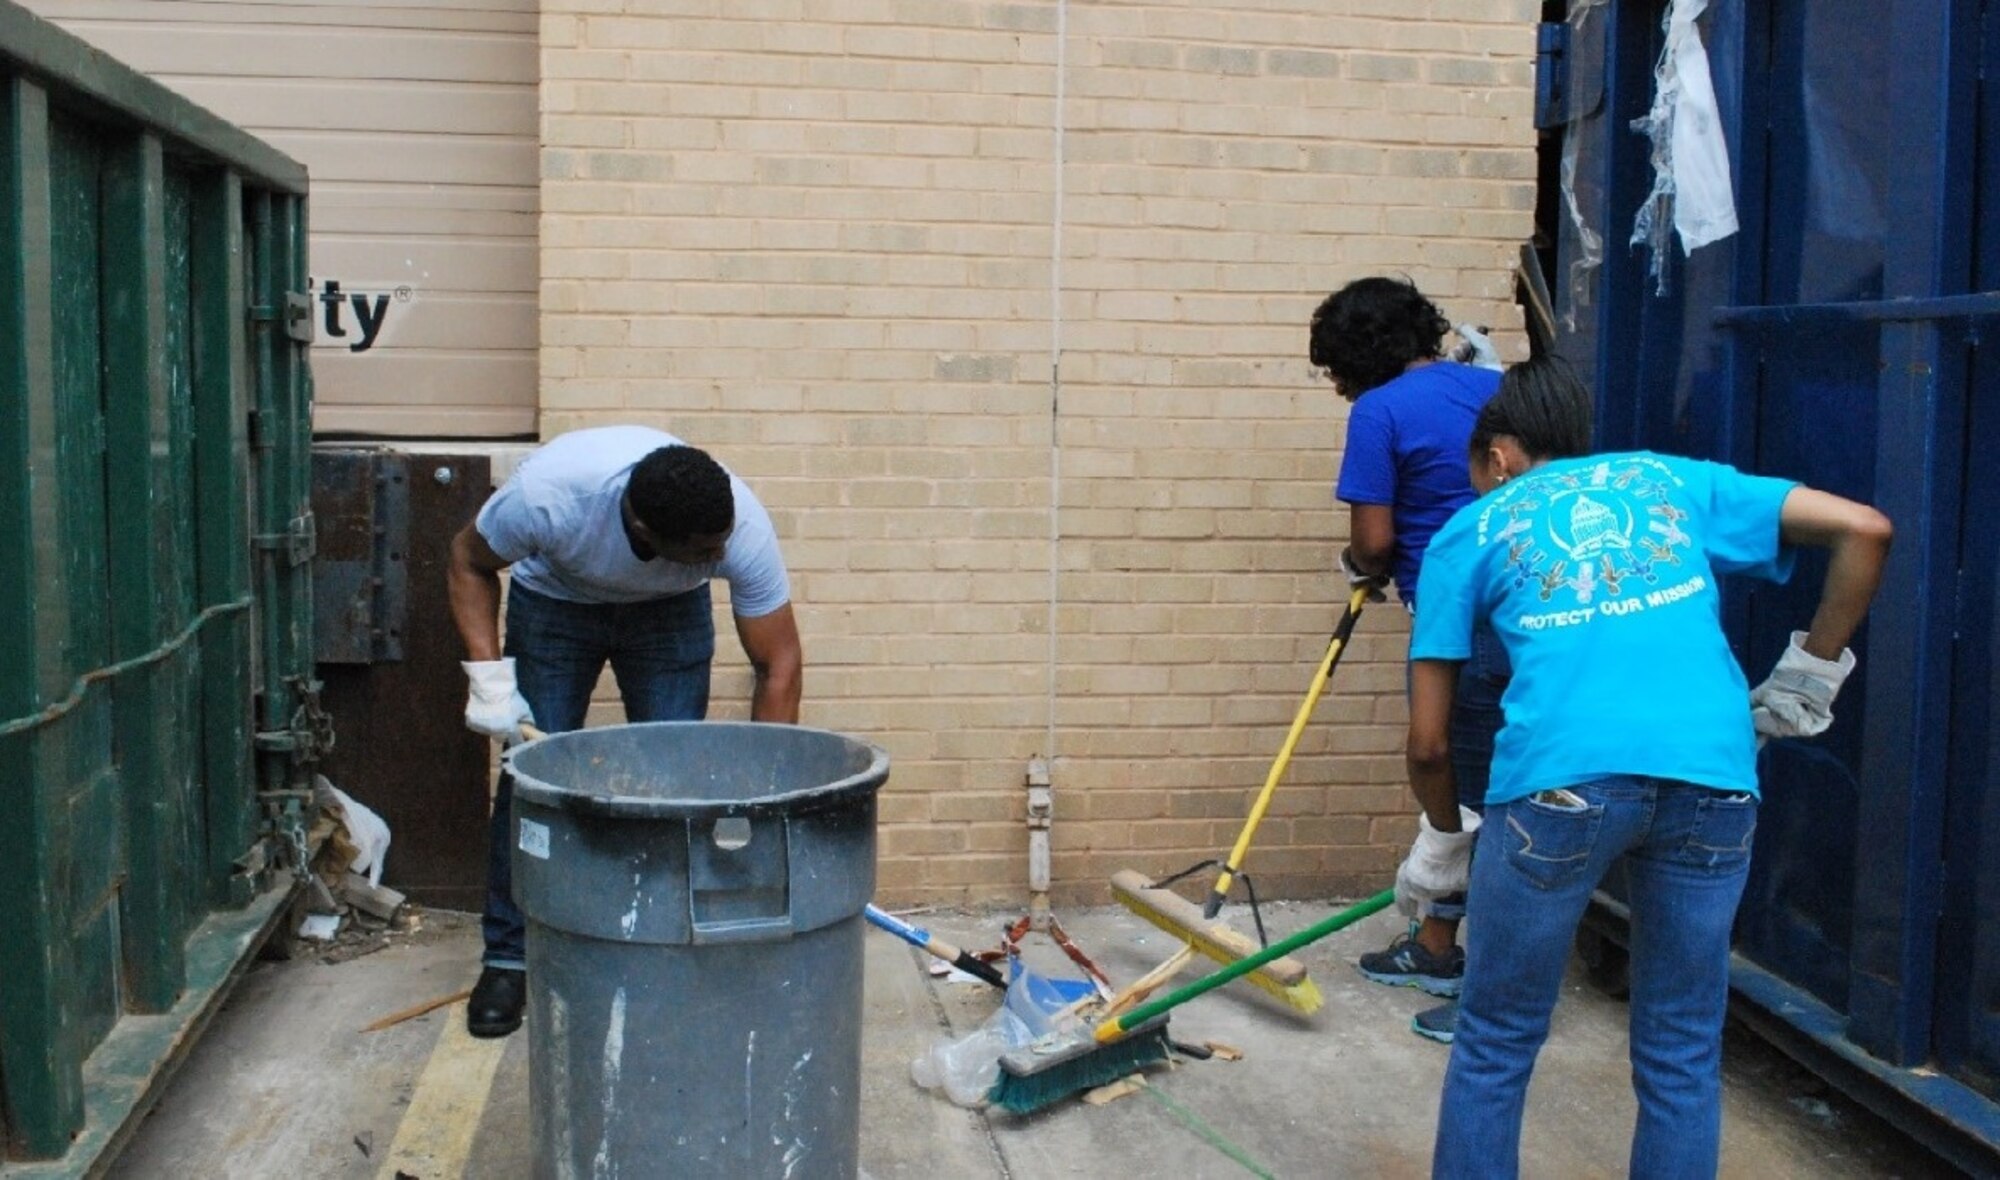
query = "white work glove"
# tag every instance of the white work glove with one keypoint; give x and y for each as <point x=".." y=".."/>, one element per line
<point x="1355" y="577"/>
<point x="495" y="706"/>
<point x="1797" y="699"/>
<point x="1478" y="348"/>
<point x="1439" y="864"/>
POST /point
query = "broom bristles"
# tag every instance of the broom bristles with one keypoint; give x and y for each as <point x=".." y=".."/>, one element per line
<point x="1303" y="995"/>
<point x="1026" y="1087"/>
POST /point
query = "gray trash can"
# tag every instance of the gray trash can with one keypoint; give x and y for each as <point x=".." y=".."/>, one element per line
<point x="693" y="893"/>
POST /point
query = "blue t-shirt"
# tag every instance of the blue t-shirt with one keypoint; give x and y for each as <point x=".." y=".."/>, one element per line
<point x="558" y="521"/>
<point x="1599" y="574"/>
<point x="1406" y="444"/>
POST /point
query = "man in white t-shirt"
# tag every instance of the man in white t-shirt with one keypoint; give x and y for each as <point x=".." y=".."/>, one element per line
<point x="613" y="535"/>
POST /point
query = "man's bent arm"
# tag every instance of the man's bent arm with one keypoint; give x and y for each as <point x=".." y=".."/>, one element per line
<point x="772" y="644"/>
<point x="472" y="579"/>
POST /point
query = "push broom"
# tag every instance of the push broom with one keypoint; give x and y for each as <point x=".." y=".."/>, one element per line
<point x="1031" y="1078"/>
<point x="1199" y="926"/>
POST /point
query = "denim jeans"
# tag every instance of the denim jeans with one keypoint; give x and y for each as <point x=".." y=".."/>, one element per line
<point x="1687" y="852"/>
<point x="660" y="652"/>
<point x="1475" y="722"/>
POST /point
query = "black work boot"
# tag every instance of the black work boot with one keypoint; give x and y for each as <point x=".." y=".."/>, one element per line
<point x="497" y="1000"/>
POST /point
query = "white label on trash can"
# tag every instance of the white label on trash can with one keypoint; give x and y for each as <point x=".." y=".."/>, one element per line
<point x="535" y="839"/>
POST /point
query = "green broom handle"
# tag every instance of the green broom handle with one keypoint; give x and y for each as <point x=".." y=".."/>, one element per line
<point x="1111" y="1030"/>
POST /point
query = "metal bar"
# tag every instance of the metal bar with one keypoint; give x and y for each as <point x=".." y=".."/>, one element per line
<point x="222" y="558"/>
<point x="75" y="697"/>
<point x="284" y="412"/>
<point x="136" y="438"/>
<point x="41" y="1100"/>
<point x="1984" y="305"/>
<point x="66" y="65"/>
<point x="1892" y="972"/>
<point x="1947" y="1116"/>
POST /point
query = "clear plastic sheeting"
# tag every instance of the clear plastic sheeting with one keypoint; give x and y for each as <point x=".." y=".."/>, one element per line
<point x="1038" y="1011"/>
<point x="1588" y="253"/>
<point x="1692" y="194"/>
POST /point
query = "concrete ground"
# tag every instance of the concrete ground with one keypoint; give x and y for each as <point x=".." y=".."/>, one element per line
<point x="285" y="1084"/>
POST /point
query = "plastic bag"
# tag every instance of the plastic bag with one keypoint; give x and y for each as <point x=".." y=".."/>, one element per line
<point x="966" y="1068"/>
<point x="1692" y="193"/>
<point x="366" y="830"/>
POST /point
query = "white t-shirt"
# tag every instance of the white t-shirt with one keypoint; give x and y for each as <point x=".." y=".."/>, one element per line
<point x="558" y="522"/>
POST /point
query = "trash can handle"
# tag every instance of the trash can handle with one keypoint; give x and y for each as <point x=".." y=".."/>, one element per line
<point x="742" y="930"/>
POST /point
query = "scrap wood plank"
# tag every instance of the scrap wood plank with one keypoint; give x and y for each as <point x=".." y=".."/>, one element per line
<point x="416" y="1010"/>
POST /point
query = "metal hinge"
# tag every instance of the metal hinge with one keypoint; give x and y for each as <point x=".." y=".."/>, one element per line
<point x="298" y="542"/>
<point x="297" y="315"/>
<point x="310" y="735"/>
<point x="1552" y="75"/>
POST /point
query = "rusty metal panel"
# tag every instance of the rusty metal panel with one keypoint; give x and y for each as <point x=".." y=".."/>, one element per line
<point x="404" y="750"/>
<point x="361" y="504"/>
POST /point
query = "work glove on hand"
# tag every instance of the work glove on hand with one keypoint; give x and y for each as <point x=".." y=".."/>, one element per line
<point x="1439" y="864"/>
<point x="1797" y="699"/>
<point x="495" y="706"/>
<point x="1478" y="348"/>
<point x="1355" y="577"/>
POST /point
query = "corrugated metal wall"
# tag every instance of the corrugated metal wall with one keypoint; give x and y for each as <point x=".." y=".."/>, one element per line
<point x="418" y="121"/>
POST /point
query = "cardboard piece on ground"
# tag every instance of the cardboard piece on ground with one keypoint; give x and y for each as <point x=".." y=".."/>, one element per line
<point x="1124" y="1087"/>
<point x="1224" y="1051"/>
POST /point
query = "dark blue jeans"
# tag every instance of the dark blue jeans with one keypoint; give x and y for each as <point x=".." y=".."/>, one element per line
<point x="660" y="652"/>
<point x="1687" y="851"/>
<point x="1475" y="722"/>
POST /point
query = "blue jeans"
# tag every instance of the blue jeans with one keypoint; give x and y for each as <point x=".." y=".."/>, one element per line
<point x="1687" y="851"/>
<point x="1475" y="722"/>
<point x="660" y="652"/>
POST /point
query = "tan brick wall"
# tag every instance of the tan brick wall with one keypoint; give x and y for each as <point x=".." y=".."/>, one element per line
<point x="823" y="247"/>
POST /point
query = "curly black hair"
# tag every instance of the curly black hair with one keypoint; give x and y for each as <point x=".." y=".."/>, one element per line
<point x="679" y="492"/>
<point x="1368" y="332"/>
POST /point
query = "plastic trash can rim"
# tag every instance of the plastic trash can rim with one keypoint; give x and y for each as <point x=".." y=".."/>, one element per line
<point x="804" y="799"/>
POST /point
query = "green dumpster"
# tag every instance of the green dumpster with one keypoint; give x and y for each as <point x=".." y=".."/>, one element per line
<point x="158" y="717"/>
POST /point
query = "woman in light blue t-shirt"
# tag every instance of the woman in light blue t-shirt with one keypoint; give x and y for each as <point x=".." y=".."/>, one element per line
<point x="1629" y="733"/>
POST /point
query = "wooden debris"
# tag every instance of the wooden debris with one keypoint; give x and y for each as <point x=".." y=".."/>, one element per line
<point x="416" y="1010"/>
<point x="1224" y="1051"/>
<point x="378" y="900"/>
<point x="1124" y="1087"/>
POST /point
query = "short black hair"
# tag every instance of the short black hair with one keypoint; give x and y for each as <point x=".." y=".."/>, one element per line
<point x="1543" y="405"/>
<point x="1368" y="332"/>
<point x="679" y="492"/>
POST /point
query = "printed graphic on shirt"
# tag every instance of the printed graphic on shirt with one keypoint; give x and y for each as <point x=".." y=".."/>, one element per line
<point x="1594" y="542"/>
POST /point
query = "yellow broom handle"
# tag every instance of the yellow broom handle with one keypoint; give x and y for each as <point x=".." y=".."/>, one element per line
<point x="1223" y="881"/>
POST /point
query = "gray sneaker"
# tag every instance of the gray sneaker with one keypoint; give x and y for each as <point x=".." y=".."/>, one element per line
<point x="1405" y="963"/>
<point x="1438" y="1024"/>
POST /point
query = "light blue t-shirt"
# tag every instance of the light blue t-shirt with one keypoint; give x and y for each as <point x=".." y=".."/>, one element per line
<point x="557" y="520"/>
<point x="1599" y="574"/>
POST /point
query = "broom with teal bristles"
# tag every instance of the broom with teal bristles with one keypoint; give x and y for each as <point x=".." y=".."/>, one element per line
<point x="1030" y="1080"/>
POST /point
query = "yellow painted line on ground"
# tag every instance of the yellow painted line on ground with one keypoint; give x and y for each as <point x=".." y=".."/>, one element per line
<point x="434" y="1140"/>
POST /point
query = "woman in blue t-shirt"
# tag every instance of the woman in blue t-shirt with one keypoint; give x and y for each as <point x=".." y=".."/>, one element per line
<point x="1402" y="475"/>
<point x="1629" y="733"/>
